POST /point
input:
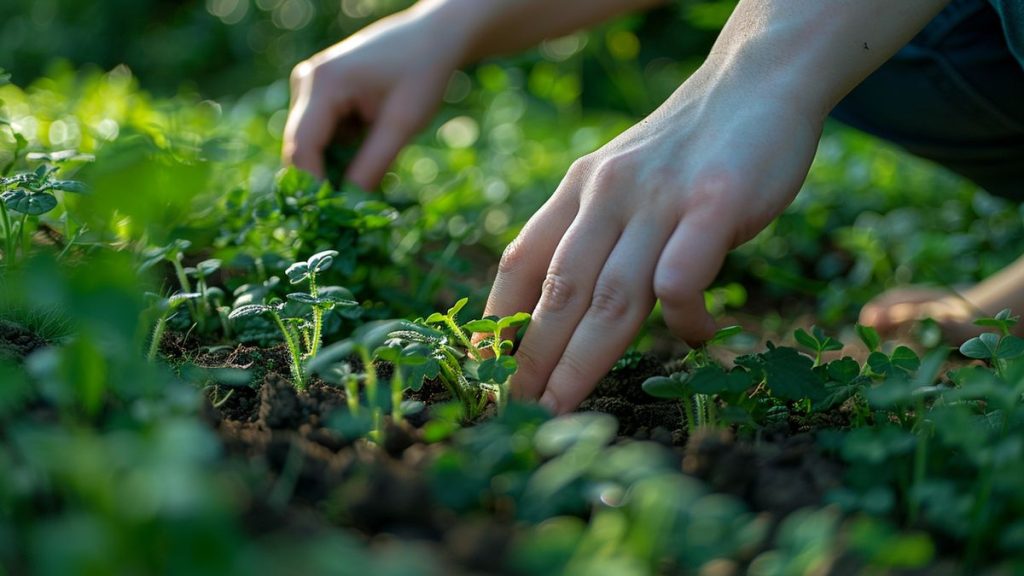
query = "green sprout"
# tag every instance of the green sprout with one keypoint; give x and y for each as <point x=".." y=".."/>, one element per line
<point x="166" y="307"/>
<point x="470" y="371"/>
<point x="302" y="337"/>
<point x="29" y="194"/>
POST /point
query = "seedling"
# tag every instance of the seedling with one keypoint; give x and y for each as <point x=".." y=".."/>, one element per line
<point x="167" y="307"/>
<point x="816" y="341"/>
<point x="301" y="336"/>
<point x="471" y="371"/>
<point x="28" y="194"/>
<point x="996" y="347"/>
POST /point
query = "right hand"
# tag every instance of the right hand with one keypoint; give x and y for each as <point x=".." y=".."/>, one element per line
<point x="390" y="76"/>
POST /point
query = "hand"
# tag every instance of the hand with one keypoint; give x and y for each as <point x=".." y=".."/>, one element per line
<point x="390" y="75"/>
<point x="650" y="215"/>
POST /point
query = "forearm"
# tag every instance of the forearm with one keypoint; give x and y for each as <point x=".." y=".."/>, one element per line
<point x="493" y="27"/>
<point x="815" y="51"/>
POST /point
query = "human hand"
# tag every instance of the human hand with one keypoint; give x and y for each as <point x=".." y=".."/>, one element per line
<point x="390" y="76"/>
<point x="650" y="215"/>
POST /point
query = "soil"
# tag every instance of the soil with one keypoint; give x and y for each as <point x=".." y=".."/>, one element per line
<point x="313" y="470"/>
<point x="17" y="342"/>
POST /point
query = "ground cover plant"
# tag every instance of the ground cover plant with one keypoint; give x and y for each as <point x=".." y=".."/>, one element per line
<point x="210" y="364"/>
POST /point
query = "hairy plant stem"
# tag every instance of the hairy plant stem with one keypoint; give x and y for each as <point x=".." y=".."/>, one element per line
<point x="293" y="350"/>
<point x="158" y="334"/>
<point x="179" y="271"/>
<point x="352" y="394"/>
<point x="318" y="318"/>
<point x="462" y="338"/>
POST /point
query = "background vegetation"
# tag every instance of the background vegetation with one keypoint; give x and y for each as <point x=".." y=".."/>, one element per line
<point x="174" y="111"/>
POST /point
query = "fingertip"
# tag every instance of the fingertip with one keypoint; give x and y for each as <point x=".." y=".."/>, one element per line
<point x="550" y="403"/>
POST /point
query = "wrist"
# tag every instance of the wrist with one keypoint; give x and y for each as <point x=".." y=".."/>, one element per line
<point x="461" y="25"/>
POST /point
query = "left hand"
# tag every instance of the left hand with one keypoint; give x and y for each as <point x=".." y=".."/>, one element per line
<point x="650" y="215"/>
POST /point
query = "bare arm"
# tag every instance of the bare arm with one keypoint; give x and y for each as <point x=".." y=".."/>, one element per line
<point x="392" y="74"/>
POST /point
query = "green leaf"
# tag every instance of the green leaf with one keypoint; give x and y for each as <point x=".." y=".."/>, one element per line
<point x="790" y="375"/>
<point x="981" y="347"/>
<point x="321" y="260"/>
<point x="905" y="359"/>
<point x="482" y="326"/>
<point x="869" y="336"/>
<point x="207" y="267"/>
<point x="806" y="340"/>
<point x="297" y="272"/>
<point x="69" y="186"/>
<point x="714" y="380"/>
<point x="435" y="318"/>
<point x="248" y="311"/>
<point x="724" y="334"/>
<point x="457" y="307"/>
<point x="843" y="370"/>
<point x="496" y="370"/>
<point x="1010" y="347"/>
<point x="673" y="386"/>
<point x="31" y="203"/>
<point x="514" y="321"/>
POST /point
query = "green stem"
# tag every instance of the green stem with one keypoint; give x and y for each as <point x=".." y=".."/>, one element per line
<point x="8" y="237"/>
<point x="920" y="464"/>
<point x="688" y="407"/>
<point x="293" y="351"/>
<point x="461" y="336"/>
<point x="179" y="271"/>
<point x="352" y="394"/>
<point x="371" y="392"/>
<point x="158" y="334"/>
<point x="24" y="240"/>
<point x="396" y="395"/>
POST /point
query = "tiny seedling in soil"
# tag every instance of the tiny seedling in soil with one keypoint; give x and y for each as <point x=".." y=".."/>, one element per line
<point x="301" y="335"/>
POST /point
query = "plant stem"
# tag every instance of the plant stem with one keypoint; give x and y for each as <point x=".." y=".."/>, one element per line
<point x="352" y="394"/>
<point x="24" y="239"/>
<point x="179" y="271"/>
<point x="688" y="407"/>
<point x="158" y="334"/>
<point x="396" y="395"/>
<point x="920" y="464"/>
<point x="371" y="391"/>
<point x="8" y="237"/>
<point x="293" y="350"/>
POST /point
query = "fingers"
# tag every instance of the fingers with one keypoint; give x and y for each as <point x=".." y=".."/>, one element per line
<point x="525" y="261"/>
<point x="566" y="292"/>
<point x="311" y="122"/>
<point x="687" y="266"/>
<point x="620" y="303"/>
<point x="402" y="115"/>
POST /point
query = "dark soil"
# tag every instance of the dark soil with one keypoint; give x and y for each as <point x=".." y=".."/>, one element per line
<point x="313" y="470"/>
<point x="17" y="342"/>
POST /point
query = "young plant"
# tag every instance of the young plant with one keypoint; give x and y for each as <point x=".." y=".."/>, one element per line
<point x="471" y="371"/>
<point x="302" y="337"/>
<point x="166" y="307"/>
<point x="28" y="194"/>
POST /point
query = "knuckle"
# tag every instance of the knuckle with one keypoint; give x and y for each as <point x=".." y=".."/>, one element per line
<point x="557" y="292"/>
<point x="667" y="286"/>
<point x="571" y="370"/>
<point x="513" y="257"/>
<point x="300" y="72"/>
<point x="611" y="301"/>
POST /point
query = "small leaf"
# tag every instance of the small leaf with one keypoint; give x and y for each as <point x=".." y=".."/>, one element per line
<point x="714" y="380"/>
<point x="1010" y="347"/>
<point x="457" y="307"/>
<point x="435" y="318"/>
<point x="297" y="272"/>
<point x="482" y="326"/>
<point x="496" y="370"/>
<point x="869" y="336"/>
<point x="321" y="260"/>
<point x="981" y="347"/>
<point x="843" y="370"/>
<point x="207" y="267"/>
<point x="69" y="186"/>
<point x="905" y="359"/>
<point x="666" y="386"/>
<point x="806" y="340"/>
<point x="724" y="334"/>
<point x="790" y="375"/>
<point x="248" y="310"/>
<point x="31" y="203"/>
<point x="514" y="321"/>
